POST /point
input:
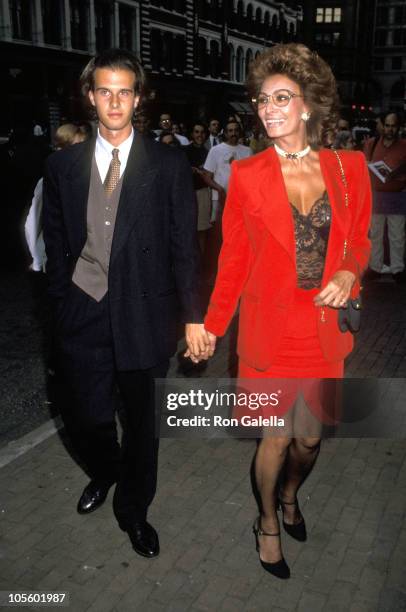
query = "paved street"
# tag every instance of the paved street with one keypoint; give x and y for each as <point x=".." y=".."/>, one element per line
<point x="354" y="501"/>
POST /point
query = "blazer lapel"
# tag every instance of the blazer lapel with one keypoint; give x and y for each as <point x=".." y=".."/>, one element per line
<point x="275" y="205"/>
<point x="77" y="190"/>
<point x="138" y="178"/>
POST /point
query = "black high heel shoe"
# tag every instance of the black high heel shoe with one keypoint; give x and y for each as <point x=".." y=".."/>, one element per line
<point x="297" y="530"/>
<point x="280" y="569"/>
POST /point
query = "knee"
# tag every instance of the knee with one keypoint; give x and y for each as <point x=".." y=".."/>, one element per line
<point x="275" y="445"/>
<point x="311" y="445"/>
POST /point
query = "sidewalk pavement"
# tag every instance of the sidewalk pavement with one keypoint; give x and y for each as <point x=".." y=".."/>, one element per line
<point x="354" y="503"/>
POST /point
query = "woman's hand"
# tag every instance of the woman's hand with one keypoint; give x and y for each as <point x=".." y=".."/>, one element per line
<point x="201" y="343"/>
<point x="337" y="290"/>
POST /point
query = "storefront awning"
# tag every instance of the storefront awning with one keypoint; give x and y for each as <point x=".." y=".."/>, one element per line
<point x="242" y="108"/>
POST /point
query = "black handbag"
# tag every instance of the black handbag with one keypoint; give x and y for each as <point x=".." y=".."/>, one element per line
<point x="349" y="317"/>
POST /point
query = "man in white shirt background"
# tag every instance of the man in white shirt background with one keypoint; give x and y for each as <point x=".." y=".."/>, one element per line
<point x="218" y="163"/>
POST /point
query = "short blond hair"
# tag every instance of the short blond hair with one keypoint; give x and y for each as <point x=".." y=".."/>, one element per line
<point x="68" y="134"/>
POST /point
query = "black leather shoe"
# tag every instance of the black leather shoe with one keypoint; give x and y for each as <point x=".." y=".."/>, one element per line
<point x="93" y="496"/>
<point x="144" y="539"/>
<point x="296" y="530"/>
<point x="280" y="568"/>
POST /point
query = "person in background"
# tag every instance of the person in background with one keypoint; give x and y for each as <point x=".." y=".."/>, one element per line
<point x="344" y="140"/>
<point x="218" y="163"/>
<point x="66" y="135"/>
<point x="391" y="150"/>
<point x="141" y="125"/>
<point x="169" y="138"/>
<point x="165" y="123"/>
<point x="214" y="137"/>
<point x="197" y="153"/>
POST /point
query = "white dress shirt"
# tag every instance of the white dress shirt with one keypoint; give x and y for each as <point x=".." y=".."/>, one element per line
<point x="103" y="154"/>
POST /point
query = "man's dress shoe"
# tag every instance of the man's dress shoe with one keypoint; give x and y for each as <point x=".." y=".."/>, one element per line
<point x="93" y="496"/>
<point x="144" y="539"/>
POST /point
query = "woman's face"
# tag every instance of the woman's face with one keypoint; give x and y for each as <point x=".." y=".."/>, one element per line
<point x="282" y="121"/>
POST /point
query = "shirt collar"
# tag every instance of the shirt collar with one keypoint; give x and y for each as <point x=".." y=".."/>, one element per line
<point x="124" y="147"/>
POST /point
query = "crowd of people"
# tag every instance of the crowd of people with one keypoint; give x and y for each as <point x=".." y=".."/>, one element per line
<point x="118" y="222"/>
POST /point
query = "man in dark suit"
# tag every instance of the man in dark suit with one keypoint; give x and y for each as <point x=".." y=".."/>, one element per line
<point x="120" y="235"/>
<point x="213" y="137"/>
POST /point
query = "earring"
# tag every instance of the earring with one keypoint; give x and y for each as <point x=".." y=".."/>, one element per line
<point x="305" y="116"/>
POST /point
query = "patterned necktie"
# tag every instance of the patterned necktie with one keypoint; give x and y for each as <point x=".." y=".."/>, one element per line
<point x="113" y="174"/>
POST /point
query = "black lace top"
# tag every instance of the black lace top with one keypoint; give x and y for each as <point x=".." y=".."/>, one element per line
<point x="311" y="236"/>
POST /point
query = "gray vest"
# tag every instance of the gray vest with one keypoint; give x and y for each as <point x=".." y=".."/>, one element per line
<point x="91" y="271"/>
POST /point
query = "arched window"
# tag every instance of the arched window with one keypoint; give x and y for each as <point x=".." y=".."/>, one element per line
<point x="259" y="29"/>
<point x="275" y="32"/>
<point x="239" y="65"/>
<point x="214" y="58"/>
<point x="250" y="19"/>
<point x="291" y="31"/>
<point x="240" y="16"/>
<point x="257" y="54"/>
<point x="248" y="60"/>
<point x="232" y="62"/>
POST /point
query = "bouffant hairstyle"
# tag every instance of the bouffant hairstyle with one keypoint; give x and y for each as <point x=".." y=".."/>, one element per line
<point x="115" y="59"/>
<point x="314" y="78"/>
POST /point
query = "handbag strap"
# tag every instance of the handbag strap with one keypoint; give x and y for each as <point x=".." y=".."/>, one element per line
<point x="343" y="177"/>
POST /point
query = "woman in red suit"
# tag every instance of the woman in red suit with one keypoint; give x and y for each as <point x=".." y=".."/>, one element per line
<point x="295" y="245"/>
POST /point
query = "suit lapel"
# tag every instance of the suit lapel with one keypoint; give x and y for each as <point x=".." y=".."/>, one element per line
<point x="138" y="178"/>
<point x="77" y="188"/>
<point x="276" y="211"/>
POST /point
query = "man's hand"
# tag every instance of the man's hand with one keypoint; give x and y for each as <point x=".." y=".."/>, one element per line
<point x="337" y="291"/>
<point x="201" y="343"/>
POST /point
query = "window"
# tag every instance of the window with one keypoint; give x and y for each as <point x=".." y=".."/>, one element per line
<point x="103" y="14"/>
<point x="382" y="17"/>
<point x="380" y="38"/>
<point x="51" y="20"/>
<point x="328" y="38"/>
<point x="127" y="26"/>
<point x="396" y="63"/>
<point x="78" y="24"/>
<point x="397" y="37"/>
<point x="379" y="63"/>
<point x="328" y="15"/>
<point x="20" y="11"/>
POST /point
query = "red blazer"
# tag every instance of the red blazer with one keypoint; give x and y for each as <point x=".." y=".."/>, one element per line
<point x="257" y="259"/>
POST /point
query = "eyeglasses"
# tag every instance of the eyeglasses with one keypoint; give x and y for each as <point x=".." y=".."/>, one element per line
<point x="280" y="98"/>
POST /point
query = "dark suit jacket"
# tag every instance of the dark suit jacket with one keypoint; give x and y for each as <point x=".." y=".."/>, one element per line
<point x="153" y="263"/>
<point x="258" y="256"/>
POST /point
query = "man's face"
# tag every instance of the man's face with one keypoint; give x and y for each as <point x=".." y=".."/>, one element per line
<point x="141" y="124"/>
<point x="214" y="127"/>
<point x="114" y="98"/>
<point x="390" y="127"/>
<point x="232" y="133"/>
<point x="165" y="121"/>
<point x="198" y="135"/>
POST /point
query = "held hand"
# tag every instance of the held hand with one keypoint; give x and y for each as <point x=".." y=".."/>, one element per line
<point x="337" y="291"/>
<point x="200" y="346"/>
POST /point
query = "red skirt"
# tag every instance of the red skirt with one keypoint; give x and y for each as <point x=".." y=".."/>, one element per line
<point x="299" y="366"/>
